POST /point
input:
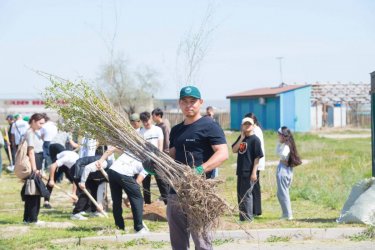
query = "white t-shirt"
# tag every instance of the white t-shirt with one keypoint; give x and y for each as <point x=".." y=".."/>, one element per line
<point x="67" y="158"/>
<point x="34" y="139"/>
<point x="90" y="168"/>
<point x="49" y="131"/>
<point x="283" y="150"/>
<point x="152" y="135"/>
<point x="19" y="129"/>
<point x="88" y="147"/>
<point x="61" y="138"/>
<point x="262" y="161"/>
<point x="127" y="165"/>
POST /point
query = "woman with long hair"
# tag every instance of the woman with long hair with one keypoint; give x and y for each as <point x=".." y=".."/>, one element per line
<point x="35" y="153"/>
<point x="257" y="197"/>
<point x="289" y="158"/>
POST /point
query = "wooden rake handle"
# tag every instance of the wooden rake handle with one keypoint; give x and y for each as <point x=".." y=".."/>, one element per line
<point x="95" y="203"/>
<point x="65" y="192"/>
<point x="104" y="173"/>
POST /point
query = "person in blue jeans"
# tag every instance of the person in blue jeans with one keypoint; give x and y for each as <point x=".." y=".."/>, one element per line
<point x="289" y="158"/>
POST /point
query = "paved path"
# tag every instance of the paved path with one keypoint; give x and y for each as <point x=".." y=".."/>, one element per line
<point x="305" y="245"/>
<point x="345" y="136"/>
<point x="297" y="238"/>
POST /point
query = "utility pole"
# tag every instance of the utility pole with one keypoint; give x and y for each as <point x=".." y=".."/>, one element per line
<point x="281" y="68"/>
<point x="372" y="92"/>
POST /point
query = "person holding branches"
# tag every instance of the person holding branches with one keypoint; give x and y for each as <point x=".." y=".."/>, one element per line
<point x="200" y="143"/>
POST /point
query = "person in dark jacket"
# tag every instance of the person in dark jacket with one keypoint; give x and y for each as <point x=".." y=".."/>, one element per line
<point x="73" y="166"/>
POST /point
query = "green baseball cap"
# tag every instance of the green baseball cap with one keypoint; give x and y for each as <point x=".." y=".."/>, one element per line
<point x="134" y="117"/>
<point x="190" y="91"/>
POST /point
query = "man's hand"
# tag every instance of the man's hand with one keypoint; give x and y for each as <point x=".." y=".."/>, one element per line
<point x="149" y="166"/>
<point x="99" y="164"/>
<point x="253" y="177"/>
<point x="74" y="197"/>
<point x="199" y="170"/>
<point x="82" y="185"/>
<point x="37" y="173"/>
<point x="51" y="183"/>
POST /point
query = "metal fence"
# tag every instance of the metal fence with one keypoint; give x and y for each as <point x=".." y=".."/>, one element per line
<point x="360" y="119"/>
<point x="222" y="118"/>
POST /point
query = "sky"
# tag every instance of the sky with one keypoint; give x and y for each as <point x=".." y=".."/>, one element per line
<point x="319" y="41"/>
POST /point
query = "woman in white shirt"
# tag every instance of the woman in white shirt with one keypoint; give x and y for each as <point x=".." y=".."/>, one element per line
<point x="35" y="154"/>
<point x="257" y="197"/>
<point x="289" y="158"/>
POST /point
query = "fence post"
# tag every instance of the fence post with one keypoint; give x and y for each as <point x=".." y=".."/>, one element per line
<point x="372" y="92"/>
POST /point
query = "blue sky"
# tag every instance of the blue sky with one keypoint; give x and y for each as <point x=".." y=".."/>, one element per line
<point x="319" y="41"/>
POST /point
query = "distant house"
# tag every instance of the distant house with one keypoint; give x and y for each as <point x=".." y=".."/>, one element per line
<point x="339" y="105"/>
<point x="285" y="105"/>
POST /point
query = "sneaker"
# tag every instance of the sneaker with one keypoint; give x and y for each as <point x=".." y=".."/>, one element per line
<point x="96" y="214"/>
<point x="10" y="168"/>
<point x="83" y="213"/>
<point x="286" y="218"/>
<point x="77" y="217"/>
<point x="143" y="231"/>
<point x="47" y="205"/>
<point x="39" y="223"/>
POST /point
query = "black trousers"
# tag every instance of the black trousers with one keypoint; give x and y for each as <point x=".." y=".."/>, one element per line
<point x="84" y="202"/>
<point x="245" y="197"/>
<point x="47" y="157"/>
<point x="257" y="198"/>
<point x="119" y="182"/>
<point x="163" y="189"/>
<point x="32" y="202"/>
<point x="39" y="160"/>
<point x="32" y="207"/>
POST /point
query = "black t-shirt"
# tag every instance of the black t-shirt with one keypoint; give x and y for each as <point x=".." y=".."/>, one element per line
<point x="193" y="142"/>
<point x="250" y="149"/>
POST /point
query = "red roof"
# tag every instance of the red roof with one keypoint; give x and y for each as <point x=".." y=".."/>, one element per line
<point x="266" y="91"/>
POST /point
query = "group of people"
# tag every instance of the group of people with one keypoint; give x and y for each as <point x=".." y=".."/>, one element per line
<point x="198" y="141"/>
<point x="251" y="159"/>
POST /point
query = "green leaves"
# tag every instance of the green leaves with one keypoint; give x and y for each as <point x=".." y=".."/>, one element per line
<point x="82" y="108"/>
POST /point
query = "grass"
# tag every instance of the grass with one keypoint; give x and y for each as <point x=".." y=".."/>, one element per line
<point x="274" y="238"/>
<point x="219" y="242"/>
<point x="319" y="190"/>
<point x="368" y="234"/>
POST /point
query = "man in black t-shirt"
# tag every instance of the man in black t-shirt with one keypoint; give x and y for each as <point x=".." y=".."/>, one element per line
<point x="249" y="151"/>
<point x="200" y="143"/>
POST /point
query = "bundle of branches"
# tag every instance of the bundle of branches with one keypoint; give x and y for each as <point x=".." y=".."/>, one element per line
<point x="84" y="109"/>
